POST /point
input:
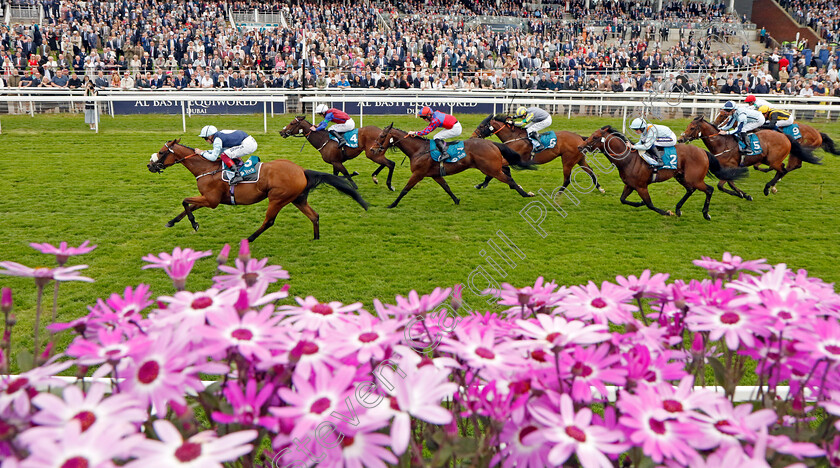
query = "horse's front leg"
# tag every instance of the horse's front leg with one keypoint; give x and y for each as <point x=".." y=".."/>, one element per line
<point x="181" y="216"/>
<point x="197" y="202"/>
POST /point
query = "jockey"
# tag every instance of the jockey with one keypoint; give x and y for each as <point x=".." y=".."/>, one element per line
<point x="654" y="137"/>
<point x="776" y="118"/>
<point x="740" y="121"/>
<point x="532" y="119"/>
<point x="227" y="146"/>
<point x="343" y="123"/>
<point x="452" y="127"/>
<point x="755" y="102"/>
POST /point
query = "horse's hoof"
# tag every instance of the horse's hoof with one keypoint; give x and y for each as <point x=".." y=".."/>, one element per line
<point x="773" y="189"/>
<point x="169" y="224"/>
<point x="707" y="216"/>
<point x="766" y="191"/>
<point x="457" y="201"/>
<point x="601" y="189"/>
<point x="354" y="174"/>
<point x="195" y="227"/>
<point x="478" y="186"/>
<point x="679" y="213"/>
<point x="391" y="188"/>
<point x="747" y="197"/>
<point x="531" y="194"/>
<point x="669" y="213"/>
<point x="392" y="205"/>
<point x="375" y="180"/>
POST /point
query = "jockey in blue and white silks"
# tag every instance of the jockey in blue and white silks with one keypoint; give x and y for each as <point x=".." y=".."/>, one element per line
<point x="653" y="138"/>
<point x="740" y="121"/>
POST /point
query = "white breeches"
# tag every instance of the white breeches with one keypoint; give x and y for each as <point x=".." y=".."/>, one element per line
<point x="785" y="123"/>
<point x="666" y="141"/>
<point x="345" y="127"/>
<point x="750" y="126"/>
<point x="449" y="133"/>
<point x="248" y="146"/>
<point x="537" y="126"/>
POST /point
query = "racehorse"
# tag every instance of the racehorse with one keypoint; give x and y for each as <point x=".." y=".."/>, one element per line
<point x="336" y="156"/>
<point x="693" y="163"/>
<point x="812" y="139"/>
<point x="486" y="156"/>
<point x="281" y="181"/>
<point x="517" y="139"/>
<point x="776" y="146"/>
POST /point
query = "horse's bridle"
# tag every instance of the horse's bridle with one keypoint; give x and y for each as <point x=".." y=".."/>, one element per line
<point x="306" y="133"/>
<point x="163" y="155"/>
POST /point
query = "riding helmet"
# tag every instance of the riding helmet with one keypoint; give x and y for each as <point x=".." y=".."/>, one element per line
<point x="321" y="109"/>
<point x="638" y="124"/>
<point x="426" y="111"/>
<point x="208" y="131"/>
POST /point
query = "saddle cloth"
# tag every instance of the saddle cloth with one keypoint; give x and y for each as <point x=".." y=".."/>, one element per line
<point x="792" y="130"/>
<point x="250" y="171"/>
<point x="547" y="140"/>
<point x="455" y="152"/>
<point x="351" y="137"/>
<point x="755" y="144"/>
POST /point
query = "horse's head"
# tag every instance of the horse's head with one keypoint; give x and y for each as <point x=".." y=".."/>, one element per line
<point x="695" y="130"/>
<point x="297" y="127"/>
<point x="491" y="125"/>
<point x="384" y="140"/>
<point x="609" y="141"/>
<point x="722" y="115"/>
<point x="164" y="158"/>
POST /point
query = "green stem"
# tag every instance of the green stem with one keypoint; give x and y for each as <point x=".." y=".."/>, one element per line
<point x="55" y="305"/>
<point x="37" y="324"/>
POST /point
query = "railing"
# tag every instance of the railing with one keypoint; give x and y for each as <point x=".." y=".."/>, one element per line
<point x="274" y="18"/>
<point x="24" y="13"/>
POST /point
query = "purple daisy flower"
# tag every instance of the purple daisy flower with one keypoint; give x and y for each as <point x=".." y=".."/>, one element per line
<point x="63" y="252"/>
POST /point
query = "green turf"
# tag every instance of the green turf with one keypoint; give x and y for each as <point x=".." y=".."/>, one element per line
<point x="65" y="183"/>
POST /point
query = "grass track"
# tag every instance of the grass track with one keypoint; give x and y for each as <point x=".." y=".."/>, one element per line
<point x="65" y="183"/>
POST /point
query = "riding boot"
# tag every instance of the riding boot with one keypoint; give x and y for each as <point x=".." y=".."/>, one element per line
<point x="441" y="145"/>
<point x="537" y="145"/>
<point x="656" y="153"/>
<point x="339" y="137"/>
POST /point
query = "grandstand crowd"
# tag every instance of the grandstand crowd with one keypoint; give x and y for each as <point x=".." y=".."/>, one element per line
<point x="823" y="16"/>
<point x="132" y="44"/>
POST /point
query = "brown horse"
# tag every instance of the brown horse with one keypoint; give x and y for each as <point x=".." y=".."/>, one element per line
<point x="336" y="156"/>
<point x="693" y="164"/>
<point x="812" y="139"/>
<point x="517" y="139"/>
<point x="486" y="156"/>
<point x="776" y="146"/>
<point x="281" y="181"/>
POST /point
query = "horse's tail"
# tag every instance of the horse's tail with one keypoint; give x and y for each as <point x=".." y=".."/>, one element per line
<point x="804" y="154"/>
<point x="828" y="145"/>
<point x="513" y="158"/>
<point x="315" y="178"/>
<point x="725" y="173"/>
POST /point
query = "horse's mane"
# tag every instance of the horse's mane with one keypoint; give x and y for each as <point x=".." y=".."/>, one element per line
<point x="501" y="117"/>
<point x="610" y="129"/>
<point x="403" y="131"/>
<point x="701" y="118"/>
<point x="486" y="120"/>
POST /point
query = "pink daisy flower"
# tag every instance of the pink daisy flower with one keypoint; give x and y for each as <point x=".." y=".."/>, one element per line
<point x="646" y="285"/>
<point x="311" y="402"/>
<point x="15" y="389"/>
<point x="107" y="346"/>
<point x="246" y="274"/>
<point x="367" y="337"/>
<point x="308" y="353"/>
<point x="203" y="450"/>
<point x="730" y="264"/>
<point x="252" y="335"/>
<point x="164" y="259"/>
<point x="602" y="306"/>
<point x="63" y="252"/>
<point x="362" y="446"/>
<point x="547" y="331"/>
<point x="573" y="433"/>
<point x="821" y="341"/>
<point x="191" y="308"/>
<point x="166" y="370"/>
<point x="414" y="304"/>
<point x="515" y="452"/>
<point x="120" y="413"/>
<point x="650" y="427"/>
<point x="784" y="312"/>
<point x="736" y="326"/>
<point x="43" y="275"/>
<point x="832" y="406"/>
<point x="776" y="279"/>
<point x="530" y="299"/>
<point x="313" y="315"/>
<point x="95" y="447"/>
<point x="479" y="349"/>
<point x="248" y="405"/>
<point x="593" y="367"/>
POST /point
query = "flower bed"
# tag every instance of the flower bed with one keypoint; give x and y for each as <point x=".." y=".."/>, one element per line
<point x="426" y="381"/>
